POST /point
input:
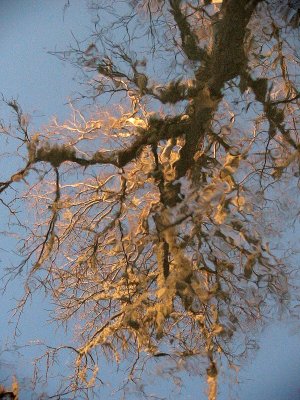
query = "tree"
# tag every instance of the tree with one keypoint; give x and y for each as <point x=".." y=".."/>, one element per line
<point x="10" y="393"/>
<point x="152" y="206"/>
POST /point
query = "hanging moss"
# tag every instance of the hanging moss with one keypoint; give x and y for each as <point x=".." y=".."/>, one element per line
<point x="55" y="154"/>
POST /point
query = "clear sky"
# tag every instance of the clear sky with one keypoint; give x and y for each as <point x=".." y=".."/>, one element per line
<point x="42" y="84"/>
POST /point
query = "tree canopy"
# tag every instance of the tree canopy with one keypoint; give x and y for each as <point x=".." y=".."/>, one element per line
<point x="152" y="216"/>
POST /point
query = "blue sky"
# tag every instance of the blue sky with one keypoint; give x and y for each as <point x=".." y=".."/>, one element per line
<point x="43" y="84"/>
